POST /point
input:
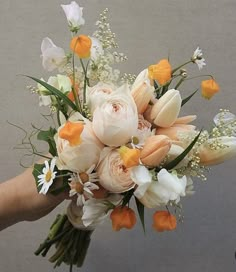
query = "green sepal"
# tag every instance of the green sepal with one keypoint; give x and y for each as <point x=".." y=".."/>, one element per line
<point x="178" y="159"/>
<point x="140" y="208"/>
<point x="56" y="92"/>
<point x="48" y="136"/>
<point x="184" y="101"/>
<point x="127" y="197"/>
<point x="38" y="170"/>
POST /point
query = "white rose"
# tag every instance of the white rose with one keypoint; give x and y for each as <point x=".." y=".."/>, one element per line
<point x="74" y="15"/>
<point x="53" y="56"/>
<point x="115" y="121"/>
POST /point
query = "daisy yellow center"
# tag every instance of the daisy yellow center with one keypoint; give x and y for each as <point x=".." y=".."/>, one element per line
<point x="84" y="177"/>
<point x="48" y="176"/>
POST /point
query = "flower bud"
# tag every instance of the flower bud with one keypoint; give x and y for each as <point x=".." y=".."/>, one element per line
<point x="155" y="149"/>
<point x="163" y="220"/>
<point x="122" y="217"/>
<point x="209" y="88"/>
<point x="81" y="45"/>
<point x="142" y="94"/>
<point x="172" y="132"/>
<point x="166" y="110"/>
<point x="160" y="71"/>
<point x="209" y="156"/>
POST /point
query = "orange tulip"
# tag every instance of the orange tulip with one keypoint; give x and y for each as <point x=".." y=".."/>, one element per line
<point x="209" y="88"/>
<point x="172" y="132"/>
<point x="160" y="71"/>
<point x="122" y="217"/>
<point x="163" y="220"/>
<point x="71" y="132"/>
<point x="130" y="157"/>
<point x="155" y="149"/>
<point x="81" y="45"/>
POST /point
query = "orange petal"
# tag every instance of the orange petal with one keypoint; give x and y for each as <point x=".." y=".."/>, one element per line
<point x="130" y="157"/>
<point x="122" y="217"/>
<point x="71" y="132"/>
<point x="209" y="88"/>
<point x="160" y="71"/>
<point x="81" y="45"/>
<point x="163" y="220"/>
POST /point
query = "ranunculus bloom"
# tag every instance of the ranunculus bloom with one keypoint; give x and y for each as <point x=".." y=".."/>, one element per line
<point x="81" y="45"/>
<point x="166" y="110"/>
<point x="155" y="149"/>
<point x="129" y="156"/>
<point x="78" y="157"/>
<point x="209" y="88"/>
<point x="52" y="55"/>
<point x="113" y="175"/>
<point x="123" y="217"/>
<point x="115" y="121"/>
<point x="160" y="71"/>
<point x="74" y="15"/>
<point x="97" y="94"/>
<point x="167" y="187"/>
<point x="210" y="156"/>
<point x="163" y="220"/>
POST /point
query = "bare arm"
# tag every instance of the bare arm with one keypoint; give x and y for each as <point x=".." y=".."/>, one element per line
<point x="20" y="201"/>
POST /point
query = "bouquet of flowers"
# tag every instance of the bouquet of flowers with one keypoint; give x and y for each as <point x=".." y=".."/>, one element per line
<point x="119" y="138"/>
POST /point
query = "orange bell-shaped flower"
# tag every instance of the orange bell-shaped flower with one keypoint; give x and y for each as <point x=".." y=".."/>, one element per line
<point x="209" y="88"/>
<point x="81" y="45"/>
<point x="163" y="220"/>
<point x="160" y="71"/>
<point x="122" y="217"/>
<point x="130" y="157"/>
<point x="71" y="132"/>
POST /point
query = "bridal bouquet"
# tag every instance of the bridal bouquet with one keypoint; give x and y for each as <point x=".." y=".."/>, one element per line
<point x="118" y="139"/>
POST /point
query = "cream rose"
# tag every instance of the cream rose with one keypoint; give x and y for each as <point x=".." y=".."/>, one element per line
<point x="115" y="121"/>
<point x="113" y="175"/>
<point x="79" y="157"/>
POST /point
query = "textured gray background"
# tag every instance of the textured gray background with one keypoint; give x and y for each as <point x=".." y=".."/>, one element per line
<point x="147" y="31"/>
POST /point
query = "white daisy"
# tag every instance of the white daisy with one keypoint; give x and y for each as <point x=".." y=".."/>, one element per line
<point x="198" y="59"/>
<point x="46" y="179"/>
<point x="82" y="185"/>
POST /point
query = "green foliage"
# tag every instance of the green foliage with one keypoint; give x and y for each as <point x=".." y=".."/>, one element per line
<point x="56" y="92"/>
<point x="38" y="169"/>
<point x="178" y="159"/>
<point x="127" y="197"/>
<point x="184" y="101"/>
<point x="48" y="136"/>
<point x="140" y="208"/>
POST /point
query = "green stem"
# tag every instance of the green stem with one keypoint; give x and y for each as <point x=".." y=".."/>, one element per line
<point x="85" y="79"/>
<point x="179" y="83"/>
<point x="199" y="76"/>
<point x="77" y="102"/>
<point x="182" y="65"/>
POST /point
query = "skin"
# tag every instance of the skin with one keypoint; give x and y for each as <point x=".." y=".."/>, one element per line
<point x="20" y="201"/>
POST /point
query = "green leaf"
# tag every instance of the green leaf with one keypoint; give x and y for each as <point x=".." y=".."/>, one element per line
<point x="184" y="101"/>
<point x="56" y="92"/>
<point x="38" y="170"/>
<point x="178" y="159"/>
<point x="140" y="208"/>
<point x="127" y="197"/>
<point x="48" y="136"/>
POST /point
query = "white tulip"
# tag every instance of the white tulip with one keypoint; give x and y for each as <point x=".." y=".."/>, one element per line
<point x="53" y="56"/>
<point x="166" y="110"/>
<point x="210" y="156"/>
<point x="74" y="15"/>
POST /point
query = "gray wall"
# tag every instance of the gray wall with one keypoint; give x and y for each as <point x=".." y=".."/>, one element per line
<point x="147" y="31"/>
